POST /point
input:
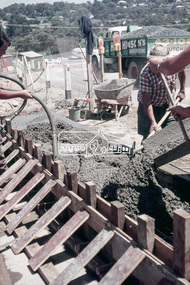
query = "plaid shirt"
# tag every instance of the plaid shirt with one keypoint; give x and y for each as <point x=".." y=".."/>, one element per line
<point x="152" y="83"/>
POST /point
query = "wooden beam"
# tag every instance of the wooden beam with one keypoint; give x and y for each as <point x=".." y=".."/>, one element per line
<point x="29" y="146"/>
<point x="8" y="125"/>
<point x="58" y="170"/>
<point x="30" y="205"/>
<point x="17" y="179"/>
<point x="11" y="170"/>
<point x="6" y="146"/>
<point x="91" y="194"/>
<point x="181" y="243"/>
<point x="47" y="160"/>
<point x="123" y="267"/>
<point x="38" y="152"/>
<point x="21" y="138"/>
<point x="21" y="194"/>
<point x="12" y="155"/>
<point x="72" y="181"/>
<point x="14" y="134"/>
<point x="47" y="271"/>
<point x="118" y="214"/>
<point x="172" y="155"/>
<point x="84" y="257"/>
<point x="40" y="224"/>
<point x="146" y="232"/>
<point x="59" y="237"/>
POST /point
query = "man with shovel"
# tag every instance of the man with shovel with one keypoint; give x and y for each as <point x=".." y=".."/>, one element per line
<point x="170" y="66"/>
<point x="6" y="94"/>
<point x="153" y="97"/>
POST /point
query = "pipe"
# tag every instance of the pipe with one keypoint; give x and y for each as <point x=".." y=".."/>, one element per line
<point x="54" y="142"/>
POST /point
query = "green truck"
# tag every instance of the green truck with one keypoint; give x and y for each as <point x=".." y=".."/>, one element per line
<point x="136" y="44"/>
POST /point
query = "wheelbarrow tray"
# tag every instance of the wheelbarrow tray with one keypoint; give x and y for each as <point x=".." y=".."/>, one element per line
<point x="115" y="89"/>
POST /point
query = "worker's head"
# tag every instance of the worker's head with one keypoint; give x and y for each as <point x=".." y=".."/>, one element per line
<point x="159" y="50"/>
<point x="4" y="43"/>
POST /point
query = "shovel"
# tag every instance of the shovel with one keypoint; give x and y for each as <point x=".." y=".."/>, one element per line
<point x="133" y="150"/>
<point x="168" y="144"/>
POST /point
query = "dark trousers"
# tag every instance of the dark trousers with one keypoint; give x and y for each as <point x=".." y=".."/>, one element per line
<point x="144" y="121"/>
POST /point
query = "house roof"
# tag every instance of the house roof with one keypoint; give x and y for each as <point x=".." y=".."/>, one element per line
<point x="31" y="54"/>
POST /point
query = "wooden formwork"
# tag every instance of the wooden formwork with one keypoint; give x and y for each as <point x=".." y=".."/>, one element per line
<point x="131" y="248"/>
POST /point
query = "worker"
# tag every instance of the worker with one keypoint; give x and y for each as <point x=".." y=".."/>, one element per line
<point x="153" y="97"/>
<point x="169" y="66"/>
<point x="6" y="94"/>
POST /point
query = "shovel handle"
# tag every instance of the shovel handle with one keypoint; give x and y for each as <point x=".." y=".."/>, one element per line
<point x="94" y="75"/>
<point x="163" y="118"/>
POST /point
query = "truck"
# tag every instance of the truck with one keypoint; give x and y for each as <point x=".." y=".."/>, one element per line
<point x="136" y="43"/>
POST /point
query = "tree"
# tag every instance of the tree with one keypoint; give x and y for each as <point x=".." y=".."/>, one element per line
<point x="38" y="42"/>
<point x="46" y="42"/>
<point x="18" y="25"/>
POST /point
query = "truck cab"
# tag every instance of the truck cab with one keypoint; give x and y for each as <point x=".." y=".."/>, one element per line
<point x="111" y="61"/>
<point x="121" y="30"/>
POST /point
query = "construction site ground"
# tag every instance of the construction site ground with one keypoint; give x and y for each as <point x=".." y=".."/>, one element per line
<point x="123" y="131"/>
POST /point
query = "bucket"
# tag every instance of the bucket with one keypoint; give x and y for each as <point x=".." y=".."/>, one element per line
<point x="74" y="114"/>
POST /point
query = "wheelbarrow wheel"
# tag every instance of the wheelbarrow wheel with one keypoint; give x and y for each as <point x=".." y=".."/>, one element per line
<point x="125" y="109"/>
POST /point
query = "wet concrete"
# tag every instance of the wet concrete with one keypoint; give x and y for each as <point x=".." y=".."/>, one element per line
<point x="133" y="182"/>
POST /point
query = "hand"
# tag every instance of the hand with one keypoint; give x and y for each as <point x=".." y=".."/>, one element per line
<point x="153" y="62"/>
<point x="154" y="127"/>
<point x="25" y="94"/>
<point x="178" y="111"/>
<point x="181" y="96"/>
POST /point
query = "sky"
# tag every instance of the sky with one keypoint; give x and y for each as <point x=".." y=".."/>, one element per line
<point x="5" y="3"/>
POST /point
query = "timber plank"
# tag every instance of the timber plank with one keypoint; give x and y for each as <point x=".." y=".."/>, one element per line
<point x="17" y="179"/>
<point x="4" y="140"/>
<point x="47" y="271"/>
<point x="181" y="243"/>
<point x="59" y="237"/>
<point x="12" y="155"/>
<point x="123" y="267"/>
<point x="30" y="205"/>
<point x="6" y="146"/>
<point x="84" y="257"/>
<point x="45" y="220"/>
<point x="11" y="170"/>
<point x="18" y="196"/>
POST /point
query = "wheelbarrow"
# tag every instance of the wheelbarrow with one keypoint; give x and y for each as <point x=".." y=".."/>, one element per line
<point x="114" y="92"/>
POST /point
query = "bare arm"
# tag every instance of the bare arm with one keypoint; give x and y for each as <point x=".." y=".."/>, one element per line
<point x="182" y="80"/>
<point x="171" y="65"/>
<point x="6" y="94"/>
<point x="183" y="112"/>
<point x="149" y="111"/>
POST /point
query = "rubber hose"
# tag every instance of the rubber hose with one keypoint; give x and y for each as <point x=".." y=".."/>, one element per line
<point x="24" y="102"/>
<point x="54" y="142"/>
<point x="51" y="123"/>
